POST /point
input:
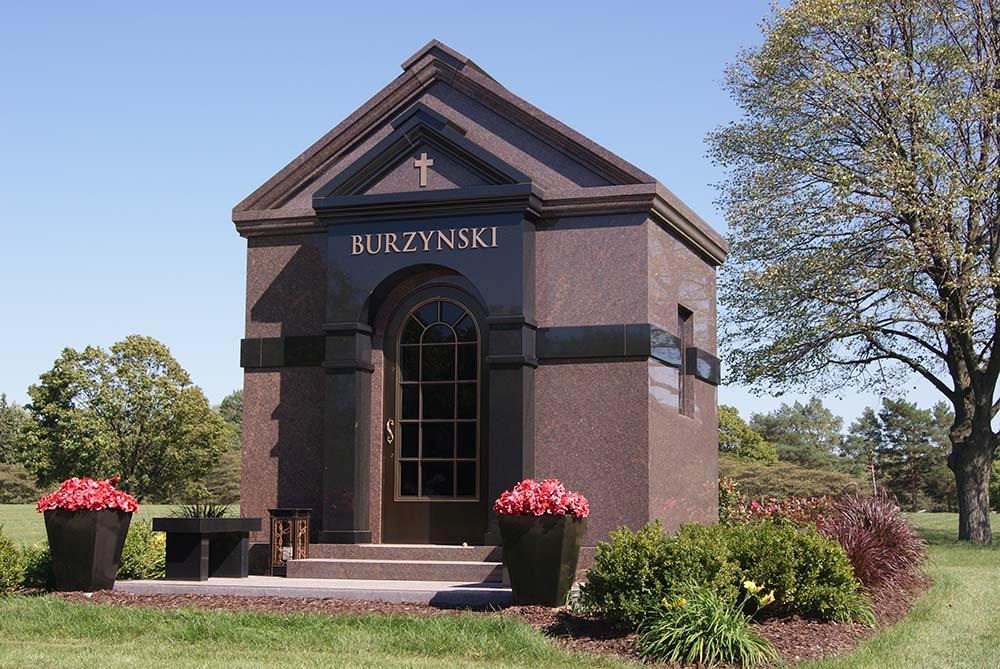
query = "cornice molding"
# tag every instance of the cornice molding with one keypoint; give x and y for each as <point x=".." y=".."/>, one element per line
<point x="702" y="238"/>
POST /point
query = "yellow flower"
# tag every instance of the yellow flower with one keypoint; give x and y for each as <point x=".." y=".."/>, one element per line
<point x="666" y="602"/>
<point x="752" y="587"/>
<point x="767" y="599"/>
<point x="681" y="602"/>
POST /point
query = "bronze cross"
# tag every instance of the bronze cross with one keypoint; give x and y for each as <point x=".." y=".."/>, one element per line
<point x="422" y="165"/>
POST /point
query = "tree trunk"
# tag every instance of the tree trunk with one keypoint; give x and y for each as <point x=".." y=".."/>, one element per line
<point x="972" y="463"/>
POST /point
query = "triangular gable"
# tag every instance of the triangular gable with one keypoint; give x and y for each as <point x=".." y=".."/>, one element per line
<point x="436" y="63"/>
<point x="418" y="131"/>
<point x="560" y="170"/>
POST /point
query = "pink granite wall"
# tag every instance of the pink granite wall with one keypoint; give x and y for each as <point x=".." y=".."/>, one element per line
<point x="591" y="271"/>
<point x="678" y="275"/>
<point x="286" y="285"/>
<point x="283" y="414"/>
<point x="591" y="419"/>
<point x="282" y="441"/>
<point x="591" y="431"/>
<point x="683" y="450"/>
<point x="613" y="430"/>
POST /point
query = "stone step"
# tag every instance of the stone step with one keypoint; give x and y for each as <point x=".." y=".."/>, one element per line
<point x="424" y="552"/>
<point x="464" y="571"/>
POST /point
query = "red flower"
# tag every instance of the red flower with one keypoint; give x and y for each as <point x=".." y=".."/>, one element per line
<point x="550" y="497"/>
<point x="87" y="494"/>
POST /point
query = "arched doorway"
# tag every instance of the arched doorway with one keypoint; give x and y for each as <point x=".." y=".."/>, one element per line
<point x="434" y="460"/>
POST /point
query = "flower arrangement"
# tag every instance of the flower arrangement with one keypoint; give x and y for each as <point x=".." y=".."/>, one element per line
<point x="546" y="498"/>
<point x="87" y="494"/>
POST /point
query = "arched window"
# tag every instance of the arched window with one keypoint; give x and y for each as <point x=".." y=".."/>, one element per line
<point x="437" y="452"/>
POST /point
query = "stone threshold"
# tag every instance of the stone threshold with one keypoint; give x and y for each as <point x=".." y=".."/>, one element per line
<point x="435" y="593"/>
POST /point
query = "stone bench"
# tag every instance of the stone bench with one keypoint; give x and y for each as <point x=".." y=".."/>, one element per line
<point x="198" y="548"/>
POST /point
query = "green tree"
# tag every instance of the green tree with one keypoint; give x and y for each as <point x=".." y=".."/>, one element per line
<point x="222" y="483"/>
<point x="131" y="410"/>
<point x="231" y="409"/>
<point x="805" y="434"/>
<point x="864" y="439"/>
<point x="14" y="421"/>
<point x="863" y="201"/>
<point x="738" y="438"/>
<point x="907" y="452"/>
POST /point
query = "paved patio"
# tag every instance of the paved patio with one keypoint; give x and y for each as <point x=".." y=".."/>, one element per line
<point x="437" y="593"/>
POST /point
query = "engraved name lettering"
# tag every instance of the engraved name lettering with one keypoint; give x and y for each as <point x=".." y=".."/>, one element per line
<point x="424" y="241"/>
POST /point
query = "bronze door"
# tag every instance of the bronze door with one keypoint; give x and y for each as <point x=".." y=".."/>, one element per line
<point x="433" y="460"/>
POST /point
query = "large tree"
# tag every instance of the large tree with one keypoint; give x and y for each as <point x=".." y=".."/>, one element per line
<point x="863" y="443"/>
<point x="805" y="434"/>
<point x="908" y="454"/>
<point x="130" y="410"/>
<point x="741" y="440"/>
<point x="863" y="198"/>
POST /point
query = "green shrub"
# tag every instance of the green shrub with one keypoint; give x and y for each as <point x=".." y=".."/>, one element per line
<point x="37" y="566"/>
<point x="783" y="479"/>
<point x="810" y="574"/>
<point x="697" y="625"/>
<point x="11" y="565"/>
<point x="145" y="553"/>
<point x="634" y="570"/>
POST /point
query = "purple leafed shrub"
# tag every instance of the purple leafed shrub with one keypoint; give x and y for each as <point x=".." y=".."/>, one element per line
<point x="879" y="542"/>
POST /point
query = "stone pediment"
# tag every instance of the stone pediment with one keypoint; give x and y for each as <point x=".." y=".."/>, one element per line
<point x="425" y="152"/>
<point x="490" y="149"/>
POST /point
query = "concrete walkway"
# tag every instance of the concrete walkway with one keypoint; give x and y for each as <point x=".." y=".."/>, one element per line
<point x="437" y="593"/>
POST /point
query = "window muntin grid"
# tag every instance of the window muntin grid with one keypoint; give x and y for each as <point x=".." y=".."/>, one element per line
<point x="437" y="453"/>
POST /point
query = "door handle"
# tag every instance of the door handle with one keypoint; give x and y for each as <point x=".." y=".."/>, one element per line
<point x="389" y="436"/>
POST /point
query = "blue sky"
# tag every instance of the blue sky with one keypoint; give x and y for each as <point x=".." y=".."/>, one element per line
<point x="128" y="131"/>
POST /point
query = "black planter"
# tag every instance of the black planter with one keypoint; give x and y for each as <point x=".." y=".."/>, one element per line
<point x="86" y="547"/>
<point x="540" y="553"/>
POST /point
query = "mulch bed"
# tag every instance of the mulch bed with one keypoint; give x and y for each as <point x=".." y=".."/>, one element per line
<point x="795" y="638"/>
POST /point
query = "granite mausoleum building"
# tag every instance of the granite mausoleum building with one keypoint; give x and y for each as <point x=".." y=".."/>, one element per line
<point x="451" y="291"/>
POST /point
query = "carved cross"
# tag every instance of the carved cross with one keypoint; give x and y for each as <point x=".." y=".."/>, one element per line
<point x="422" y="164"/>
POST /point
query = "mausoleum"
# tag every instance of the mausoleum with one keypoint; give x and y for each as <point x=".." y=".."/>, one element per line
<point x="451" y="291"/>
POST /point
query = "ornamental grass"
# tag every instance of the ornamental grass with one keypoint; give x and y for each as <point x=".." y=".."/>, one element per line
<point x="880" y="544"/>
<point x="699" y="626"/>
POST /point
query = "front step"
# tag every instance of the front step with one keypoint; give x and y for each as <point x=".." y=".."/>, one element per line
<point x="420" y="552"/>
<point x="463" y="571"/>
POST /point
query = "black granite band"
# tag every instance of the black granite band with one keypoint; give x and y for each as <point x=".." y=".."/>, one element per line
<point x="301" y="351"/>
<point x="637" y="341"/>
<point x="554" y="345"/>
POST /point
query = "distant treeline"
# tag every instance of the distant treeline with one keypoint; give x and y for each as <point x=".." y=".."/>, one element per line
<point x="802" y="449"/>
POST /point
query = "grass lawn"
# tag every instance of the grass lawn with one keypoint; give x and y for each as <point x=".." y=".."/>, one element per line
<point x="45" y="631"/>
<point x="956" y="624"/>
<point x="25" y="525"/>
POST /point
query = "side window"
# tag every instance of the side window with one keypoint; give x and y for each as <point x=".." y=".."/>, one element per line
<point x="685" y="331"/>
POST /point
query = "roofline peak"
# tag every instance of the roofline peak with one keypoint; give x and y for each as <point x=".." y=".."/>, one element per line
<point x="441" y="52"/>
<point x="438" y="49"/>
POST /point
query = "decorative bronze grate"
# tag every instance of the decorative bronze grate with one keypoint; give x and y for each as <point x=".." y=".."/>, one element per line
<point x="289" y="538"/>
